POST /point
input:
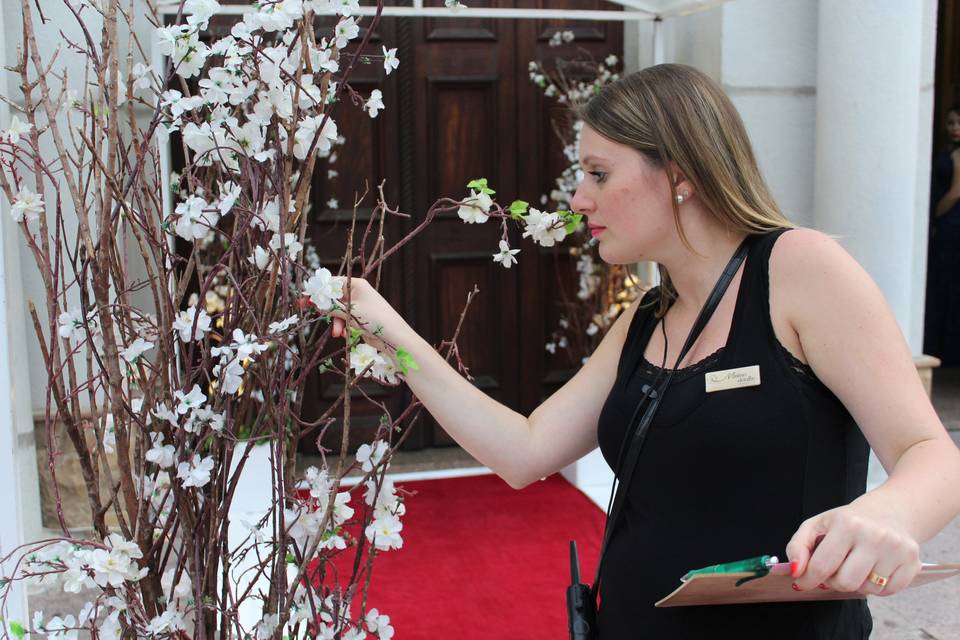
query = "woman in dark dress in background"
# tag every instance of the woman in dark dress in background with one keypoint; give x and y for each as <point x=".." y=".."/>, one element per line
<point x="942" y="335"/>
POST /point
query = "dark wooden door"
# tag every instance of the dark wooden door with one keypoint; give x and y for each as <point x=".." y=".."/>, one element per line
<point x="461" y="106"/>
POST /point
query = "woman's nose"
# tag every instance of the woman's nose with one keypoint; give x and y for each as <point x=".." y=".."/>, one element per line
<point x="581" y="203"/>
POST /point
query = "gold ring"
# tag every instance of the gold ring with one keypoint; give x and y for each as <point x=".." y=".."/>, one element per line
<point x="878" y="579"/>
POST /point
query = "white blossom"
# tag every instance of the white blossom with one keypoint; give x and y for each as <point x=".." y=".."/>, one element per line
<point x="76" y="578"/>
<point x="109" y="628"/>
<point x="200" y="12"/>
<point x="189" y="56"/>
<point x="70" y="325"/>
<point x="183" y="324"/>
<point x="370" y="457"/>
<point x="378" y="623"/>
<point x="246" y="345"/>
<point x="162" y="455"/>
<point x="275" y="15"/>
<point x="544" y="228"/>
<point x="16" y="129"/>
<point x="292" y="246"/>
<point x="229" y="192"/>
<point x="374" y="104"/>
<point x="260" y="258"/>
<point x="306" y="132"/>
<point x="167" y="623"/>
<point x="384" y="533"/>
<point x="169" y="37"/>
<point x="135" y="350"/>
<point x="196" y="219"/>
<point x="203" y="417"/>
<point x="182" y="590"/>
<point x="65" y="628"/>
<point x="26" y="205"/>
<point x="196" y="472"/>
<point x="189" y="401"/>
<point x="109" y="434"/>
<point x="476" y="208"/>
<point x="144" y="76"/>
<point x="282" y="325"/>
<point x="456" y="5"/>
<point x="346" y="30"/>
<point x="178" y="103"/>
<point x="267" y="626"/>
<point x="380" y="367"/>
<point x="324" y="289"/>
<point x="161" y="411"/>
<point x="506" y="255"/>
<point x="390" y="61"/>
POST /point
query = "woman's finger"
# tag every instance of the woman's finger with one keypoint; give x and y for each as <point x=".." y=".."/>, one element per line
<point x="853" y="572"/>
<point x="900" y="579"/>
<point x="338" y="326"/>
<point x="826" y="559"/>
<point x="803" y="543"/>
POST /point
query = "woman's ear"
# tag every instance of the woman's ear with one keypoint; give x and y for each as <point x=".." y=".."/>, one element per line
<point x="681" y="186"/>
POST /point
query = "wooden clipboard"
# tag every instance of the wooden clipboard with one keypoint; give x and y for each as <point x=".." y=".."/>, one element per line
<point x="720" y="588"/>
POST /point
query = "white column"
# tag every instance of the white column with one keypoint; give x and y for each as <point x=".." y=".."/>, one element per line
<point x="868" y="189"/>
<point x="19" y="487"/>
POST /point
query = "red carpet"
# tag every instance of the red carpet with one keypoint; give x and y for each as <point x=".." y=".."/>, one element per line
<point x="483" y="561"/>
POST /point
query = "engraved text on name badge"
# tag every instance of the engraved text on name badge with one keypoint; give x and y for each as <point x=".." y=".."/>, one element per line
<point x="733" y="378"/>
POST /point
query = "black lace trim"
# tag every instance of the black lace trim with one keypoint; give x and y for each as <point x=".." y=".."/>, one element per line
<point x="691" y="369"/>
<point x="800" y="368"/>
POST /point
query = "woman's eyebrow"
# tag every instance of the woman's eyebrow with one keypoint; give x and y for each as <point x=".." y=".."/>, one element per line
<point x="593" y="159"/>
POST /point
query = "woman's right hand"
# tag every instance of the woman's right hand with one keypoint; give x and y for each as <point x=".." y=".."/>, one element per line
<point x="371" y="309"/>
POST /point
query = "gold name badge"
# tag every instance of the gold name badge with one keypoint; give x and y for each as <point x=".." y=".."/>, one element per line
<point x="733" y="378"/>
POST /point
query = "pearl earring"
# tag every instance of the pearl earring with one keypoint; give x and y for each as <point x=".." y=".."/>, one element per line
<point x="681" y="197"/>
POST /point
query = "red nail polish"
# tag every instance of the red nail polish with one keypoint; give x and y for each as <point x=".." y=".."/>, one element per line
<point x="795" y="587"/>
<point x="823" y="586"/>
<point x="794" y="567"/>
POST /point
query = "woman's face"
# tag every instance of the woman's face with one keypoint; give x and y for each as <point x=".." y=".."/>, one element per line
<point x="626" y="200"/>
<point x="953" y="126"/>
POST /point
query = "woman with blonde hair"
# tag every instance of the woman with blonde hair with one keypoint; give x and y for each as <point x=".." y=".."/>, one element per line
<point x="772" y="461"/>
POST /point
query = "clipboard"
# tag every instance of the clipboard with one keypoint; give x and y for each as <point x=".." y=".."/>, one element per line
<point x="771" y="583"/>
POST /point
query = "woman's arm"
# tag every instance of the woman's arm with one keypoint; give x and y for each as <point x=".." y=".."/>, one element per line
<point x="520" y="450"/>
<point x="851" y="340"/>
<point x="952" y="196"/>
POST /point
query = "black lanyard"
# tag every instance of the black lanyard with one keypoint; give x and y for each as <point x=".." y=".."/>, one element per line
<point x="651" y="400"/>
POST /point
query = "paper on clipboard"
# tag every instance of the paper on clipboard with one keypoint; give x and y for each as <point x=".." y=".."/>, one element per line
<point x="721" y="588"/>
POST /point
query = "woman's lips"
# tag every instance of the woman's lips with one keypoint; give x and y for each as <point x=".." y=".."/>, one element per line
<point x="595" y="231"/>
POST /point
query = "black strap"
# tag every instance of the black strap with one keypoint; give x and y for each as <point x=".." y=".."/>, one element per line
<point x="653" y="398"/>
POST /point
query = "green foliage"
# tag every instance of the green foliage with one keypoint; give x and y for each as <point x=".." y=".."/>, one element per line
<point x="518" y="208"/>
<point x="406" y="361"/>
<point x="355" y="335"/>
<point x="572" y="220"/>
<point x="17" y="629"/>
<point x="480" y="184"/>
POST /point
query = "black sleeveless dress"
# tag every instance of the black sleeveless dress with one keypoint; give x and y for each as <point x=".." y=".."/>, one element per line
<point x="725" y="476"/>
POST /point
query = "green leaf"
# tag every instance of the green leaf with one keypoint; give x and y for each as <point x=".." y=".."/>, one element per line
<point x="17" y="629"/>
<point x="518" y="208"/>
<point x="291" y="559"/>
<point x="406" y="361"/>
<point x="480" y="184"/>
<point x="573" y="220"/>
<point x="355" y="335"/>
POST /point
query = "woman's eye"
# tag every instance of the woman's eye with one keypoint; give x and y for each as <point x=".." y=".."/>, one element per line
<point x="599" y="176"/>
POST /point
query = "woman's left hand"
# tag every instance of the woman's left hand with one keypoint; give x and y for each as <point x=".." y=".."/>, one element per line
<point x="845" y="547"/>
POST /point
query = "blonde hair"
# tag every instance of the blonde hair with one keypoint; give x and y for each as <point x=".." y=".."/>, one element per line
<point x="672" y="113"/>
